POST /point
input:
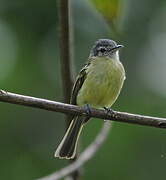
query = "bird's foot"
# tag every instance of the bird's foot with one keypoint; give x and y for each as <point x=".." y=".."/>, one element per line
<point x="88" y="109"/>
<point x="88" y="112"/>
<point x="109" y="111"/>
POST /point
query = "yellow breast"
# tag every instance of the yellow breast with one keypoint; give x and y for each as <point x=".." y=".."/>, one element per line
<point x="105" y="77"/>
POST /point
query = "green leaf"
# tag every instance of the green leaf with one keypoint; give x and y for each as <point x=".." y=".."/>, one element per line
<point x="110" y="9"/>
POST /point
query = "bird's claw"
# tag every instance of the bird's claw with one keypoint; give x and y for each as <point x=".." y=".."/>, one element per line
<point x="88" y="109"/>
<point x="109" y="111"/>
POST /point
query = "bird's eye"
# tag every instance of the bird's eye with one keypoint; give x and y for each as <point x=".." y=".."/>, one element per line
<point x="102" y="49"/>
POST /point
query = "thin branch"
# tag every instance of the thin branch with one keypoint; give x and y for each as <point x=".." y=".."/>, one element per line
<point x="88" y="153"/>
<point x="66" y="55"/>
<point x="76" y="110"/>
<point x="65" y="51"/>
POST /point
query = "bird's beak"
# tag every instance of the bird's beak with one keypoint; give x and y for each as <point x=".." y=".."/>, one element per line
<point x="117" y="48"/>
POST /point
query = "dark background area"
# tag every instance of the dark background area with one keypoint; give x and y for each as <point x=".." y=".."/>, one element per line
<point x="29" y="64"/>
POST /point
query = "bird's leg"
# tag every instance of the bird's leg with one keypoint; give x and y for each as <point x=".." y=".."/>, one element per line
<point x="109" y="111"/>
<point x="88" y="111"/>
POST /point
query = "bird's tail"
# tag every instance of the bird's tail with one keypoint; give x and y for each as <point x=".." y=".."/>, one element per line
<point x="67" y="147"/>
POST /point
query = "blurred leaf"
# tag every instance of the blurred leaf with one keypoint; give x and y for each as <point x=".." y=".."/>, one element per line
<point x="110" y="9"/>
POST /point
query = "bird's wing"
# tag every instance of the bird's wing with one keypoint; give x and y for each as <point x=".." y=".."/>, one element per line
<point x="78" y="84"/>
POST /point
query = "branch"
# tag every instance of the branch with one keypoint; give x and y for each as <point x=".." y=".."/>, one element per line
<point x="88" y="153"/>
<point x="66" y="56"/>
<point x="76" y="110"/>
<point x="65" y="51"/>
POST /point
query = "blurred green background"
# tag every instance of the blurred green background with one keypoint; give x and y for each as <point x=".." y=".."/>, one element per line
<point x="29" y="64"/>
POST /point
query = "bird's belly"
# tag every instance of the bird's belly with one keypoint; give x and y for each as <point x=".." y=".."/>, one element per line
<point x="101" y="88"/>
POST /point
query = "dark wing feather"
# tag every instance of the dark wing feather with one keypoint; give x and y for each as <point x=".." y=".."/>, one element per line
<point x="78" y="84"/>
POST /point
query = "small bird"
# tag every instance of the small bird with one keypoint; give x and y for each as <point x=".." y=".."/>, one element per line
<point x="97" y="85"/>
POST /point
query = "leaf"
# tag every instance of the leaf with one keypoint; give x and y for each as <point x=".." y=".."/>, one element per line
<point x="110" y="9"/>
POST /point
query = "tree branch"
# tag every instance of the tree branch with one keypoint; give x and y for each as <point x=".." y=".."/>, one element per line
<point x="76" y="110"/>
<point x="87" y="154"/>
<point x="65" y="51"/>
<point x="66" y="56"/>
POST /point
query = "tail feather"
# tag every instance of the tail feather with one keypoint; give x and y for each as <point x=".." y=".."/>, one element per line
<point x="67" y="147"/>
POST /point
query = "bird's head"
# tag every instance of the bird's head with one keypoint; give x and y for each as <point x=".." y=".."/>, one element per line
<point x="105" y="47"/>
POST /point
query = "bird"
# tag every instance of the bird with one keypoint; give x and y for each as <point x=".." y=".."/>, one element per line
<point x="97" y="85"/>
